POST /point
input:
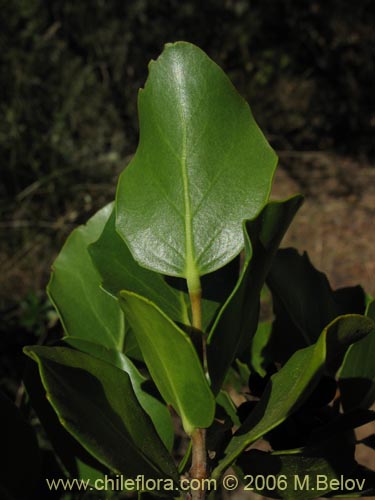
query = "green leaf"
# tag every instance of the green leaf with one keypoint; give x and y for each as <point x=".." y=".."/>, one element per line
<point x="357" y="376"/>
<point x="304" y="303"/>
<point x="131" y="348"/>
<point x="20" y="451"/>
<point x="119" y="271"/>
<point x="304" y="293"/>
<point x="289" y="387"/>
<point x="201" y="167"/>
<point x="71" y="454"/>
<point x="259" y="358"/>
<point x="96" y="403"/>
<point x="85" y="310"/>
<point x="224" y="400"/>
<point x="154" y="408"/>
<point x="237" y="321"/>
<point x="342" y="423"/>
<point x="171" y="360"/>
<point x="350" y="300"/>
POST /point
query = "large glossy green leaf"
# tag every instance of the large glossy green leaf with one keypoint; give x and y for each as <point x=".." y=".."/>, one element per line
<point x="172" y="361"/>
<point x="21" y="465"/>
<point x="96" y="403"/>
<point x="289" y="387"/>
<point x="142" y="386"/>
<point x="201" y="167"/>
<point x="357" y="377"/>
<point x="238" y="319"/>
<point x="85" y="310"/>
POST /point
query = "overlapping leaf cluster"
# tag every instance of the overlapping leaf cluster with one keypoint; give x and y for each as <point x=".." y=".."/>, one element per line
<point x="196" y="194"/>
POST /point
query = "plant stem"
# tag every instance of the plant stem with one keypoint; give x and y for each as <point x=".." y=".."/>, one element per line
<point x="199" y="463"/>
<point x="196" y="308"/>
<point x="198" y="469"/>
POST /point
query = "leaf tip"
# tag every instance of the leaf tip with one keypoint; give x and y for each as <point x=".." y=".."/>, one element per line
<point x="29" y="351"/>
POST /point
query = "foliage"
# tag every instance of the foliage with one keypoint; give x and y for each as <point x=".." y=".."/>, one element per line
<point x="194" y="195"/>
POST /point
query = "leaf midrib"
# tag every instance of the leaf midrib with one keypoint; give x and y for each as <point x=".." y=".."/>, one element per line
<point x="190" y="266"/>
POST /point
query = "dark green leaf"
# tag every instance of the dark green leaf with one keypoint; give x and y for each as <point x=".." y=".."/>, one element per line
<point x="303" y="292"/>
<point x="342" y="423"/>
<point x="131" y="348"/>
<point x="301" y="474"/>
<point x="96" y="403"/>
<point x="172" y="361"/>
<point x="154" y="408"/>
<point x="350" y="300"/>
<point x="201" y="167"/>
<point x="291" y="386"/>
<point x="85" y="310"/>
<point x="69" y="451"/>
<point x="119" y="271"/>
<point x="357" y="376"/>
<point x="257" y="383"/>
<point x="223" y="399"/>
<point x="259" y="356"/>
<point x="238" y="319"/>
<point x="303" y="303"/>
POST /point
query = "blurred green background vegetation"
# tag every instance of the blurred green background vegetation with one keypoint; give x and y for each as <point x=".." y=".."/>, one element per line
<point x="70" y="71"/>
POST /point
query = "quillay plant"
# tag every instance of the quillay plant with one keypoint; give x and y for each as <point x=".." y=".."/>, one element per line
<point x="161" y="316"/>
